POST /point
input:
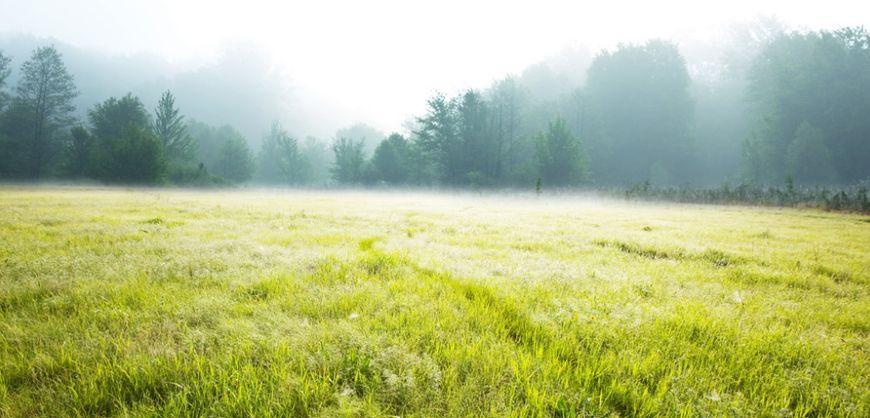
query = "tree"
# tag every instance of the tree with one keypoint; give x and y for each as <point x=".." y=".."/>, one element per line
<point x="45" y="91"/>
<point x="79" y="152"/>
<point x="221" y="151"/>
<point x="818" y="78"/>
<point x="7" y="148"/>
<point x="349" y="161"/>
<point x="207" y="141"/>
<point x="134" y="157"/>
<point x="170" y="128"/>
<point x="235" y="162"/>
<point x="438" y="139"/>
<point x="506" y="104"/>
<point x="560" y="158"/>
<point x="642" y="113"/>
<point x="15" y="124"/>
<point x="4" y="74"/>
<point x="719" y="87"/>
<point x="280" y="161"/>
<point x="391" y="159"/>
<point x="319" y="157"/>
<point x="127" y="150"/>
<point x="112" y="117"/>
<point x="477" y="156"/>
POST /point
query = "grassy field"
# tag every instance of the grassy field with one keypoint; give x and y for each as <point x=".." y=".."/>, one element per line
<point x="247" y="303"/>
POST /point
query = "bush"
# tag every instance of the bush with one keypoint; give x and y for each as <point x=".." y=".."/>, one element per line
<point x="853" y="199"/>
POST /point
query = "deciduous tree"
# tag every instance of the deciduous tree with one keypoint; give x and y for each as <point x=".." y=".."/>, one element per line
<point x="642" y="113"/>
<point x="45" y="91"/>
<point x="280" y="161"/>
<point x="560" y="156"/>
<point x="349" y="161"/>
<point x="391" y="159"/>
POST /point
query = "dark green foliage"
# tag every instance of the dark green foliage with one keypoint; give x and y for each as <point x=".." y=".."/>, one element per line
<point x="6" y="146"/>
<point x="45" y="93"/>
<point x="178" y="146"/>
<point x="127" y="150"/>
<point x="506" y="101"/>
<point x="391" y="160"/>
<point x="15" y="125"/>
<point x="235" y="163"/>
<point x="79" y="152"/>
<point x="811" y="95"/>
<point x="437" y="137"/>
<point x="215" y="148"/>
<point x="5" y="70"/>
<point x="774" y="106"/>
<point x="170" y="128"/>
<point x="349" y="161"/>
<point x="468" y="139"/>
<point x="111" y="118"/>
<point x="135" y="156"/>
<point x="280" y="161"/>
<point x="475" y="154"/>
<point x="560" y="158"/>
<point x="424" y="170"/>
<point x="642" y="113"/>
<point x="194" y="175"/>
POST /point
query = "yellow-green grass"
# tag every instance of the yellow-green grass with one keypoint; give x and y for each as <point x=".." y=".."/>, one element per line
<point x="249" y="303"/>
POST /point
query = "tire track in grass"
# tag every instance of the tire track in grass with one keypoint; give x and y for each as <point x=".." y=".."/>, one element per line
<point x="715" y="257"/>
<point x="743" y="269"/>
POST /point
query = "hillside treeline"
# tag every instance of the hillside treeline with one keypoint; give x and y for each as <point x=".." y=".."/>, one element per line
<point x="794" y="111"/>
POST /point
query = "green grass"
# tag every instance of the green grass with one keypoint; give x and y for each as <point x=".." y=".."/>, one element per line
<point x="243" y="303"/>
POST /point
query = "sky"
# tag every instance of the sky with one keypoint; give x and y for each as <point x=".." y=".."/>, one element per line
<point x="377" y="61"/>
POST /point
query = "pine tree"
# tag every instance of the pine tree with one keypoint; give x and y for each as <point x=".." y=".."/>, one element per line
<point x="171" y="130"/>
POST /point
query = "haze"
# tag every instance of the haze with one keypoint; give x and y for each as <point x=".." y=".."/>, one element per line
<point x="451" y="208"/>
<point x="376" y="62"/>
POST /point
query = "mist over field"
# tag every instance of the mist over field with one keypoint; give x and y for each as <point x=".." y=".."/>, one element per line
<point x="420" y="208"/>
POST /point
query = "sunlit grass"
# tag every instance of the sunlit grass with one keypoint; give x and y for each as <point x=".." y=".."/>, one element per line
<point x="181" y="303"/>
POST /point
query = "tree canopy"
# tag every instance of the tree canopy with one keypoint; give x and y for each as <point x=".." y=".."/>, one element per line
<point x="767" y="106"/>
<point x="813" y="84"/>
<point x="642" y="114"/>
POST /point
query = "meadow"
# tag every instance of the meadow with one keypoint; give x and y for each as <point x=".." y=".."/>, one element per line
<point x="147" y="302"/>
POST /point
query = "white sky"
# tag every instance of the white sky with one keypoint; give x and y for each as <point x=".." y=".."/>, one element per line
<point x="377" y="61"/>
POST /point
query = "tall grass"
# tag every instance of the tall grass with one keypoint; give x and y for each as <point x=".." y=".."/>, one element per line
<point x="308" y="304"/>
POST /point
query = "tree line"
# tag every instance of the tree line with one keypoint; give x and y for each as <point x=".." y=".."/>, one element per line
<point x="634" y="121"/>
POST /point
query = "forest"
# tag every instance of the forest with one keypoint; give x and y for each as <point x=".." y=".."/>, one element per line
<point x="786" y="109"/>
